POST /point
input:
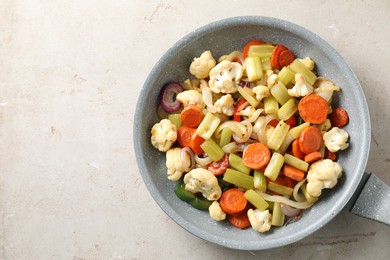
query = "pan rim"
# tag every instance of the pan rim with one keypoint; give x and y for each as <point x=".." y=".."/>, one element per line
<point x="340" y="203"/>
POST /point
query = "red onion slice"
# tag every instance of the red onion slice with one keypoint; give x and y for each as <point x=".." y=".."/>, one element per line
<point x="183" y="151"/>
<point x="290" y="211"/>
<point x="168" y="95"/>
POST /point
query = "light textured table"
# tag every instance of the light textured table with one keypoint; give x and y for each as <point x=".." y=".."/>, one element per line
<point x="70" y="74"/>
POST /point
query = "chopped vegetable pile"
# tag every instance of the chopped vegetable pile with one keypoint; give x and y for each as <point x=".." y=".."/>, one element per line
<point x="251" y="137"/>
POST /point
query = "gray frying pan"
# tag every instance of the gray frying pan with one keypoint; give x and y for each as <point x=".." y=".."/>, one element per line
<point x="364" y="194"/>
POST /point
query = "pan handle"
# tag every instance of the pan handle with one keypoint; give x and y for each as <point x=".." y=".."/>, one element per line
<point x="371" y="199"/>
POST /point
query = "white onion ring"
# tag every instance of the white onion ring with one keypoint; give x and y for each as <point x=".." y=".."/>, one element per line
<point x="262" y="131"/>
<point x="234" y="147"/>
<point x="202" y="161"/>
<point x="255" y="115"/>
<point x="247" y="131"/>
<point x="298" y="197"/>
<point x="207" y="97"/>
<point x="236" y="128"/>
<point x="235" y="55"/>
<point x="183" y="152"/>
<point x="281" y="199"/>
<point x="290" y="211"/>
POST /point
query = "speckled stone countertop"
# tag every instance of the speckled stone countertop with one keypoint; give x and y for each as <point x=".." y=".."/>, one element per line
<point x="70" y="75"/>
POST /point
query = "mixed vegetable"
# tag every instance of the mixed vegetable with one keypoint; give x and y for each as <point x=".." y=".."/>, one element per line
<point x="251" y="137"/>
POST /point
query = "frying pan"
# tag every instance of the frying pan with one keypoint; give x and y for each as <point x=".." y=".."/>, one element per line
<point x="362" y="193"/>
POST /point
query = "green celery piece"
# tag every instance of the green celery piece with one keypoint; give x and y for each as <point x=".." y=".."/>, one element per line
<point x="236" y="163"/>
<point x="239" y="179"/>
<point x="277" y="215"/>
<point x="256" y="200"/>
<point x="212" y="149"/>
<point x="274" y="166"/>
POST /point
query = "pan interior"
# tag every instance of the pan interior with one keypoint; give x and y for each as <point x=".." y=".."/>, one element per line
<point x="220" y="38"/>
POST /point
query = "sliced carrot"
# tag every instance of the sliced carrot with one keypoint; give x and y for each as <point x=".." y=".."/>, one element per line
<point x="283" y="180"/>
<point x="296" y="151"/>
<point x="313" y="109"/>
<point x="310" y="140"/>
<point x="191" y="116"/>
<point x="285" y="58"/>
<point x="330" y="155"/>
<point x="274" y="122"/>
<point x="275" y="56"/>
<point x="233" y="201"/>
<point x="312" y="157"/>
<point x="256" y="156"/>
<point x="184" y="135"/>
<point x="293" y="172"/>
<point x="248" y="45"/>
<point x="292" y="121"/>
<point x="339" y="117"/>
<point x="195" y="143"/>
<point x="240" y="220"/>
<point x="220" y="167"/>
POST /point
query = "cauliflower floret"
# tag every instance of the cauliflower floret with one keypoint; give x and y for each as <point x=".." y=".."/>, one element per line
<point x="203" y="181"/>
<point x="216" y="211"/>
<point x="271" y="79"/>
<point x="225" y="77"/>
<point x="261" y="92"/>
<point x="322" y="174"/>
<point x="190" y="98"/>
<point x="309" y="63"/>
<point x="225" y="105"/>
<point x="164" y="134"/>
<point x="260" y="220"/>
<point x="301" y="87"/>
<point x="201" y="66"/>
<point x="336" y="139"/>
<point x="177" y="162"/>
<point x="325" y="126"/>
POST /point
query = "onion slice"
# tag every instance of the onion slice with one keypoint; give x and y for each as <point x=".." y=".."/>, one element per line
<point x="168" y="95"/>
<point x="281" y="199"/>
<point x="184" y="161"/>
<point x="290" y="211"/>
<point x="203" y="161"/>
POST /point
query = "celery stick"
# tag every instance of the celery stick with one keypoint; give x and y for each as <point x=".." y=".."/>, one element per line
<point x="286" y="143"/>
<point x="256" y="200"/>
<point x="281" y="189"/>
<point x="226" y="136"/>
<point x="277" y="215"/>
<point x="296" y="162"/>
<point x="248" y="95"/>
<point x="261" y="51"/>
<point x="298" y="67"/>
<point x="271" y="105"/>
<point x="254" y="70"/>
<point x="175" y="119"/>
<point x="279" y="91"/>
<point x="236" y="163"/>
<point x="286" y="75"/>
<point x="297" y="130"/>
<point x="212" y="149"/>
<point x="274" y="166"/>
<point x="308" y="197"/>
<point x="260" y="181"/>
<point x="239" y="179"/>
<point x="208" y="126"/>
<point x="288" y="109"/>
<point x="279" y="134"/>
<point x="266" y="63"/>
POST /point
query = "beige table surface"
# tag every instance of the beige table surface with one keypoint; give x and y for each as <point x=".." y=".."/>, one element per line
<point x="70" y="74"/>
